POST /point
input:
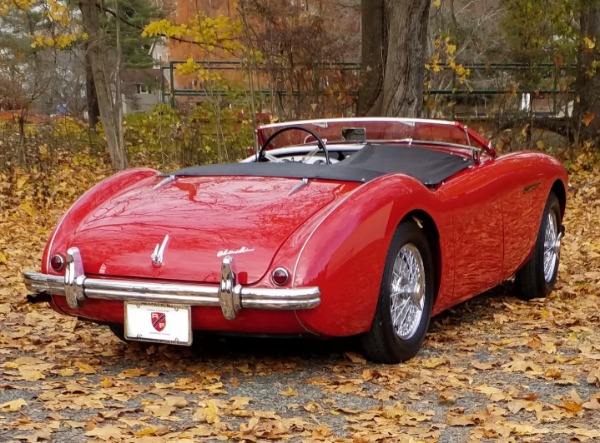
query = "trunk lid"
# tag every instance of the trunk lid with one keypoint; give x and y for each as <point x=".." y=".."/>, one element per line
<point x="205" y="218"/>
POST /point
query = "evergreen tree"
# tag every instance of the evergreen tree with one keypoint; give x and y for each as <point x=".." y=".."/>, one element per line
<point x="134" y="15"/>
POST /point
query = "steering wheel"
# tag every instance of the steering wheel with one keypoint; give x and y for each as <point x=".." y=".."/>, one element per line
<point x="262" y="154"/>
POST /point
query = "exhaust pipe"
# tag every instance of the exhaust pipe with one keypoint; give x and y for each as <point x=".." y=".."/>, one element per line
<point x="40" y="297"/>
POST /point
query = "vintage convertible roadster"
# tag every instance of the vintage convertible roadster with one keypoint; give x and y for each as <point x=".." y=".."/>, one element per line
<point x="342" y="227"/>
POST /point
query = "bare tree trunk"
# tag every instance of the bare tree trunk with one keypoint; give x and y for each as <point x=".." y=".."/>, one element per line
<point x="394" y="47"/>
<point x="22" y="159"/>
<point x="587" y="104"/>
<point x="249" y="65"/>
<point x="373" y="53"/>
<point x="405" y="61"/>
<point x="118" y="103"/>
<point x="108" y="106"/>
<point x="90" y="92"/>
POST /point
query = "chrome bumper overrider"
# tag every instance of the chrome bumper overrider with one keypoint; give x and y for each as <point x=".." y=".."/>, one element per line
<point x="230" y="296"/>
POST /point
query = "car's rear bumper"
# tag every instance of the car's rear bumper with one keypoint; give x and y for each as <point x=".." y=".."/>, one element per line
<point x="230" y="296"/>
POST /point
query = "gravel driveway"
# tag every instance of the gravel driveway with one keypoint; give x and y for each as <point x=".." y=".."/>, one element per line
<point x="492" y="369"/>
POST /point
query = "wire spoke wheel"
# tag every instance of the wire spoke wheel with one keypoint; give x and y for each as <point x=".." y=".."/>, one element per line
<point x="407" y="291"/>
<point x="538" y="275"/>
<point x="551" y="246"/>
<point x="405" y="299"/>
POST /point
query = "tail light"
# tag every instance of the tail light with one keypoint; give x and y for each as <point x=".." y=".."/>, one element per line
<point x="280" y="276"/>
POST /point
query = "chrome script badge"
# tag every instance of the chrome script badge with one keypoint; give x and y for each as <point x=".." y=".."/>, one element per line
<point x="241" y="250"/>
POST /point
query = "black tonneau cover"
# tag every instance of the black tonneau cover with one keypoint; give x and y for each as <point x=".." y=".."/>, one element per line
<point x="429" y="166"/>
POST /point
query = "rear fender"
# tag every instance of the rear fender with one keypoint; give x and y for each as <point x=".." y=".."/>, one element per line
<point x="344" y="251"/>
<point x="92" y="199"/>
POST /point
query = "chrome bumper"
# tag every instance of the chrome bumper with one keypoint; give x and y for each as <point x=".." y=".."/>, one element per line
<point x="230" y="296"/>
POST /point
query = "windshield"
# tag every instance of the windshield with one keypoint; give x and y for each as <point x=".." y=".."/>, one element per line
<point x="362" y="130"/>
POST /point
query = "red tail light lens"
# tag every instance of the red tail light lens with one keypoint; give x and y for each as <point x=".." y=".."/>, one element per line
<point x="57" y="262"/>
<point x="280" y="276"/>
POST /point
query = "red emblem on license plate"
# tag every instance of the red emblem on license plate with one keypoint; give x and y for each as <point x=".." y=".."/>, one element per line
<point x="159" y="320"/>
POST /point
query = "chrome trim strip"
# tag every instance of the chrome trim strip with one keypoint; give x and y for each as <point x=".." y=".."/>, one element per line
<point x="229" y="296"/>
<point x="317" y="122"/>
<point x="164" y="182"/>
<point x="531" y="187"/>
<point x="299" y="186"/>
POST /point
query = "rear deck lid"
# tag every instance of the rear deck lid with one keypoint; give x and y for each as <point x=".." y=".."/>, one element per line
<point x="205" y="218"/>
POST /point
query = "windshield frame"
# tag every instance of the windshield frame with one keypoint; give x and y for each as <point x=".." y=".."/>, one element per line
<point x="451" y="134"/>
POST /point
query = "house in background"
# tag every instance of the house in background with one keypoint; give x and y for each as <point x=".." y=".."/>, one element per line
<point x="295" y="72"/>
<point x="140" y="89"/>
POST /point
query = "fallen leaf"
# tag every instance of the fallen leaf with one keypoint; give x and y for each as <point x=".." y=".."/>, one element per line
<point x="289" y="392"/>
<point x="13" y="405"/>
<point x="106" y="433"/>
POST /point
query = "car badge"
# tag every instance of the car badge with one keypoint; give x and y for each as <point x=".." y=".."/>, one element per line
<point x="241" y="250"/>
<point x="159" y="252"/>
<point x="159" y="320"/>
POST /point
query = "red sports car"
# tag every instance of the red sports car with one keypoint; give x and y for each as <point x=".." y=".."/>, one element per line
<point x="339" y="227"/>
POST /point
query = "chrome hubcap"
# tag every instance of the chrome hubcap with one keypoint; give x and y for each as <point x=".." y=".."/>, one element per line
<point x="552" y="239"/>
<point x="407" y="291"/>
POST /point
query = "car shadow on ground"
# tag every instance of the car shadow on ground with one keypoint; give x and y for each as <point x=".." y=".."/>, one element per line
<point x="478" y="308"/>
<point x="312" y="349"/>
<point x="228" y="349"/>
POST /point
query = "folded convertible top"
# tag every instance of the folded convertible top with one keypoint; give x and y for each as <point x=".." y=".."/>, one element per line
<point x="429" y="166"/>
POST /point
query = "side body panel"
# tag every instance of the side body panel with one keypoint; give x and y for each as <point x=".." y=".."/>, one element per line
<point x="497" y="208"/>
<point x="530" y="178"/>
<point x="476" y="201"/>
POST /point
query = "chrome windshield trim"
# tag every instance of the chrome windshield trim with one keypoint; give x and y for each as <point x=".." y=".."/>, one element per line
<point x="230" y="296"/>
<point x="324" y="121"/>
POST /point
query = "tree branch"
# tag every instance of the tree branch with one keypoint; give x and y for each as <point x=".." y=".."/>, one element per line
<point x="140" y="28"/>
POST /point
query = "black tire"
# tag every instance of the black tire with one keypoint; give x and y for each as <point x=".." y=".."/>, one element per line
<point x="537" y="277"/>
<point x="387" y="342"/>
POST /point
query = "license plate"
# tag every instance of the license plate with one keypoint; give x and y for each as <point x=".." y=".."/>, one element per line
<point x="158" y="323"/>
